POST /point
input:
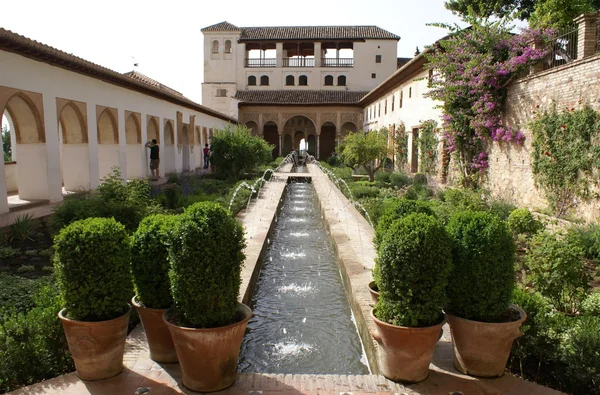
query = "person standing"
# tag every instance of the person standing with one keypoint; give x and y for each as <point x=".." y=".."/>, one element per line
<point x="154" y="158"/>
<point x="206" y="152"/>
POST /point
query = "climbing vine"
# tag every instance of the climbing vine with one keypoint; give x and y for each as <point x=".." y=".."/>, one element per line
<point x="566" y="155"/>
<point x="428" y="146"/>
<point x="472" y="69"/>
<point x="401" y="144"/>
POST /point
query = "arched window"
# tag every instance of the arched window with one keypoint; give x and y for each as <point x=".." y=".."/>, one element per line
<point x="251" y="80"/>
<point x="328" y="80"/>
<point x="264" y="80"/>
<point x="215" y="46"/>
<point x="303" y="80"/>
<point x="228" y="46"/>
<point x="342" y="80"/>
<point x="289" y="80"/>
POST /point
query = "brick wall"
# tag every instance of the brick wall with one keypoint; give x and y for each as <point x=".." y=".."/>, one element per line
<point x="510" y="175"/>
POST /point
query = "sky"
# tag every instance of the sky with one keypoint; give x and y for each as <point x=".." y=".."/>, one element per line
<point x="164" y="37"/>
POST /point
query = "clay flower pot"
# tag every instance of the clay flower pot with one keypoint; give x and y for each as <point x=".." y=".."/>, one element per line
<point x="405" y="352"/>
<point x="374" y="292"/>
<point x="482" y="348"/>
<point x="209" y="356"/>
<point x="157" y="333"/>
<point x="97" y="347"/>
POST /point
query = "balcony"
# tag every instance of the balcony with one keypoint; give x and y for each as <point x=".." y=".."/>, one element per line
<point x="337" y="62"/>
<point x="264" y="62"/>
<point x="298" y="62"/>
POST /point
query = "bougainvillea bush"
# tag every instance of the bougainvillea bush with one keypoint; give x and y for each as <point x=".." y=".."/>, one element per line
<point x="472" y="69"/>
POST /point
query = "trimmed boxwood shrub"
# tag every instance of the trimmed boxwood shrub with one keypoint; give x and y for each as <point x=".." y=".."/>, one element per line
<point x="521" y="221"/>
<point x="397" y="209"/>
<point x="483" y="277"/>
<point x="415" y="260"/>
<point x="92" y="269"/>
<point x="206" y="254"/>
<point x="150" y="261"/>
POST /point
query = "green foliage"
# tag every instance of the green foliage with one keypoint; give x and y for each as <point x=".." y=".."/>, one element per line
<point x="362" y="189"/>
<point x="26" y="269"/>
<point x="399" y="180"/>
<point x="173" y="195"/>
<point x="92" y="269"/>
<point x="383" y="177"/>
<point x="8" y="252"/>
<point x="581" y="356"/>
<point x="206" y="253"/>
<point x="565" y="155"/>
<point x="6" y="145"/>
<point x="591" y="305"/>
<point x="397" y="209"/>
<point x="560" y="13"/>
<point x="32" y="343"/>
<point x="233" y="150"/>
<point x="414" y="260"/>
<point x="466" y="199"/>
<point x="487" y="8"/>
<point x="428" y="146"/>
<point x="482" y="281"/>
<point x="150" y="261"/>
<point x="23" y="228"/>
<point x="17" y="292"/>
<point x="501" y="208"/>
<point x="420" y="179"/>
<point x="418" y="192"/>
<point x="521" y="221"/>
<point x="557" y="270"/>
<point x="366" y="149"/>
<point x="401" y="145"/>
<point x="588" y="238"/>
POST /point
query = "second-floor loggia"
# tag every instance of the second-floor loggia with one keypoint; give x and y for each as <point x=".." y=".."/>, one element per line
<point x="300" y="54"/>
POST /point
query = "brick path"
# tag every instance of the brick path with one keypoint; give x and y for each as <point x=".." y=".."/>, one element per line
<point x="351" y="236"/>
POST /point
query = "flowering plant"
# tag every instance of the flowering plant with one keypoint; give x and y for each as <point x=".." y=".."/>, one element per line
<point x="428" y="146"/>
<point x="401" y="144"/>
<point x="472" y="69"/>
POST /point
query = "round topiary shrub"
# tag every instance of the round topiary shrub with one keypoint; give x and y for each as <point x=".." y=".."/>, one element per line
<point x="150" y="261"/>
<point x="420" y="179"/>
<point x="92" y="269"/>
<point x="206" y="254"/>
<point x="415" y="260"/>
<point x="483" y="278"/>
<point x="396" y="210"/>
<point x="521" y="221"/>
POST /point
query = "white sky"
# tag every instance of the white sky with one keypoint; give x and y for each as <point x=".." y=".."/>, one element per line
<point x="165" y="39"/>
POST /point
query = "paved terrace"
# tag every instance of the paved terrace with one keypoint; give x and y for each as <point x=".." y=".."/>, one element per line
<point x="352" y="237"/>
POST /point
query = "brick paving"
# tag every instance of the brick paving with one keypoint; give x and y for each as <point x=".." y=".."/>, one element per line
<point x="352" y="237"/>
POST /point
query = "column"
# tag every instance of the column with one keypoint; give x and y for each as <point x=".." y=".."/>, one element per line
<point x="279" y="54"/>
<point x="93" y="145"/>
<point x="161" y="146"/>
<point x="318" y="153"/>
<point x="318" y="54"/>
<point x="587" y="35"/>
<point x="52" y="149"/>
<point x="280" y="143"/>
<point x="144" y="137"/>
<point x="122" y="143"/>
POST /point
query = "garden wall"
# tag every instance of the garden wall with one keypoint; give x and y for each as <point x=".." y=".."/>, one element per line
<point x="569" y="86"/>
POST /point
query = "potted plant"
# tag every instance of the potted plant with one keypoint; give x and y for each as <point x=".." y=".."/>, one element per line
<point x="414" y="261"/>
<point x="207" y="322"/>
<point x="150" y="269"/>
<point x="482" y="321"/>
<point x="395" y="209"/>
<point x="93" y="275"/>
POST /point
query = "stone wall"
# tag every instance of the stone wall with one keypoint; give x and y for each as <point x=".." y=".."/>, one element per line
<point x="568" y="86"/>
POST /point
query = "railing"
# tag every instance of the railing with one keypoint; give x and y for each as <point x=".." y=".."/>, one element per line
<point x="265" y="62"/>
<point x="564" y="49"/>
<point x="338" y="62"/>
<point x="298" y="62"/>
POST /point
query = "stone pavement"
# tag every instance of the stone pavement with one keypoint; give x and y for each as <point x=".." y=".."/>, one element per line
<point x="352" y="236"/>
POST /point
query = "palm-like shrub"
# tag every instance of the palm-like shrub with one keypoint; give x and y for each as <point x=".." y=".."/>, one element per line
<point x="150" y="261"/>
<point x="92" y="269"/>
<point x="483" y="277"/>
<point x="206" y="257"/>
<point x="415" y="261"/>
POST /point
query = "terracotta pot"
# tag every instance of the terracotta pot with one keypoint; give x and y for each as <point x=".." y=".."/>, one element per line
<point x="97" y="347"/>
<point x="405" y="353"/>
<point x="209" y="356"/>
<point x="482" y="348"/>
<point x="157" y="333"/>
<point x="373" y="292"/>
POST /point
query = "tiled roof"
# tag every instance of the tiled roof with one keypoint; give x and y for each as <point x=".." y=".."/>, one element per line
<point x="221" y="27"/>
<point x="299" y="97"/>
<point x="147" y="80"/>
<point x="12" y="42"/>
<point x="316" y="33"/>
<point x="402" y="62"/>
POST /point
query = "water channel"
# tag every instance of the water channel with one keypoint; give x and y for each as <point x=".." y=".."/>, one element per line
<point x="302" y="322"/>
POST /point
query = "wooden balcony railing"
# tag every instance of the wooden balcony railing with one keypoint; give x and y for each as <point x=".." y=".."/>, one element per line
<point x="338" y="62"/>
<point x="265" y="62"/>
<point x="298" y="62"/>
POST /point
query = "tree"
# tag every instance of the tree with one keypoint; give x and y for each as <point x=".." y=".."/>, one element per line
<point x="6" y="143"/>
<point x="366" y="149"/>
<point x="560" y="13"/>
<point x="233" y="150"/>
<point x="496" y="8"/>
